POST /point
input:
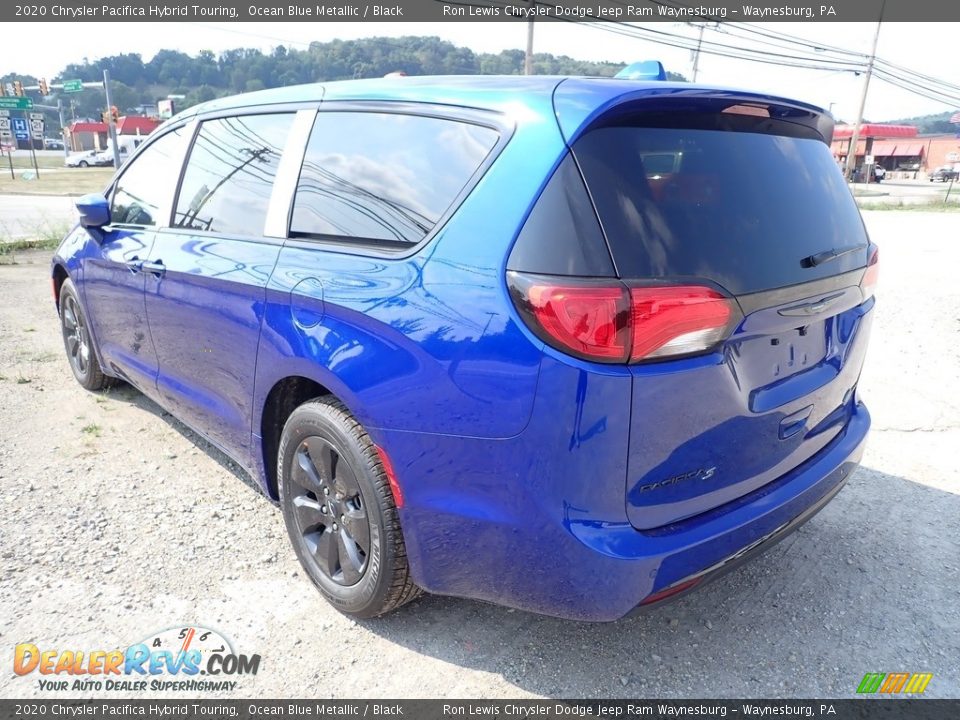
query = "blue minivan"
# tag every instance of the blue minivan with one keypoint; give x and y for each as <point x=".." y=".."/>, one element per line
<point x="569" y="345"/>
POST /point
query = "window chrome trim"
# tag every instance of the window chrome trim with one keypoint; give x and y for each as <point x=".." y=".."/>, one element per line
<point x="288" y="175"/>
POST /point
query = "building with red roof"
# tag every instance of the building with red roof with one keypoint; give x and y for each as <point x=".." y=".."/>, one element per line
<point x="86" y="135"/>
<point x="896" y="148"/>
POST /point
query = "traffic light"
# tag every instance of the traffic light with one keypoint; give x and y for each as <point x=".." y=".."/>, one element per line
<point x="44" y="88"/>
<point x="18" y="88"/>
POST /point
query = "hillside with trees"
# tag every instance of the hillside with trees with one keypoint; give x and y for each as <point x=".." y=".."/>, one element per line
<point x="939" y="123"/>
<point x="137" y="83"/>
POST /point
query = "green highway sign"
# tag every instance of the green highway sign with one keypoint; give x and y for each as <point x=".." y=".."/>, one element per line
<point x="16" y="103"/>
<point x="72" y="85"/>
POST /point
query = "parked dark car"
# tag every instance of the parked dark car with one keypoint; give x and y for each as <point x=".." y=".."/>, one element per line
<point x="944" y="173"/>
<point x="568" y="345"/>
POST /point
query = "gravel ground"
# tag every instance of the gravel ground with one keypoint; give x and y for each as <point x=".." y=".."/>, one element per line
<point x="118" y="522"/>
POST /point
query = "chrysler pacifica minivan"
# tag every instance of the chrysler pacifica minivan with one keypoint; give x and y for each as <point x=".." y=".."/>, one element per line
<point x="569" y="345"/>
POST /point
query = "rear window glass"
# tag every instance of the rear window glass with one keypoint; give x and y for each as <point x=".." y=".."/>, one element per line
<point x="740" y="208"/>
<point x="229" y="177"/>
<point x="382" y="176"/>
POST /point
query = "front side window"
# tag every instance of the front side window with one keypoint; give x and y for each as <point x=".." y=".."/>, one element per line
<point x="230" y="172"/>
<point x="147" y="183"/>
<point x="382" y="176"/>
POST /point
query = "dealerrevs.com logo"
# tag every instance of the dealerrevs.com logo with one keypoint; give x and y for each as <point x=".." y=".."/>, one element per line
<point x="185" y="659"/>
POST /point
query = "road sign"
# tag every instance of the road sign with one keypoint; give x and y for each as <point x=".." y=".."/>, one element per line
<point x="5" y="125"/>
<point x="20" y="128"/>
<point x="36" y="116"/>
<point x="4" y="113"/>
<point x="16" y="103"/>
<point x="953" y="157"/>
<point x="72" y="85"/>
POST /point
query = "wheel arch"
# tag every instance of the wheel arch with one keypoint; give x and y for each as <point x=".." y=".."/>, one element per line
<point x="59" y="274"/>
<point x="285" y="395"/>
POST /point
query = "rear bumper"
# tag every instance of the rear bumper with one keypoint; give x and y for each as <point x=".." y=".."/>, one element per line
<point x="517" y="538"/>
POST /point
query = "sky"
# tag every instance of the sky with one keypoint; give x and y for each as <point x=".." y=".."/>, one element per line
<point x="45" y="48"/>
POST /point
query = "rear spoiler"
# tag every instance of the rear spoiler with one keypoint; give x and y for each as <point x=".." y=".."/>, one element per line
<point x="582" y="104"/>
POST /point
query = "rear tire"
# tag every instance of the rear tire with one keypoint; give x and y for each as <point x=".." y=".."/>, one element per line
<point x="78" y="342"/>
<point x="340" y="512"/>
<point x="82" y="163"/>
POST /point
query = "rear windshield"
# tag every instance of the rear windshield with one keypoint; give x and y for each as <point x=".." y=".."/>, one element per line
<point x="743" y="209"/>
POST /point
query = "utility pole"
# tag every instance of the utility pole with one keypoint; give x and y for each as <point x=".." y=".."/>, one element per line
<point x="110" y="124"/>
<point x="63" y="125"/>
<point x="528" y="57"/>
<point x="696" y="55"/>
<point x="851" y="163"/>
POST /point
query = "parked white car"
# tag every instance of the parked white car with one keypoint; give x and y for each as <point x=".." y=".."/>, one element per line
<point x="82" y="159"/>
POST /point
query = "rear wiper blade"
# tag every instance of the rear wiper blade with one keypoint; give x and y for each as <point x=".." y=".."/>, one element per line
<point x="827" y="255"/>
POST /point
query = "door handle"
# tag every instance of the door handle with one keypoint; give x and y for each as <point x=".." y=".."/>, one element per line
<point x="154" y="268"/>
<point x="134" y="264"/>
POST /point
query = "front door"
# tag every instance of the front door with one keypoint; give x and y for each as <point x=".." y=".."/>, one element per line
<point x="113" y="281"/>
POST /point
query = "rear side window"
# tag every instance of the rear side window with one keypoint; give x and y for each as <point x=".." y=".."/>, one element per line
<point x="147" y="183"/>
<point x="562" y="236"/>
<point x="382" y="176"/>
<point x="229" y="175"/>
<point x="743" y="209"/>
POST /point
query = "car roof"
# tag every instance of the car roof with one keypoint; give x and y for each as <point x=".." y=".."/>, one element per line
<point x="574" y="100"/>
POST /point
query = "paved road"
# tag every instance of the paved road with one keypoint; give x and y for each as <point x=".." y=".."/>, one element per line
<point x="904" y="191"/>
<point x="115" y="524"/>
<point x="27" y="217"/>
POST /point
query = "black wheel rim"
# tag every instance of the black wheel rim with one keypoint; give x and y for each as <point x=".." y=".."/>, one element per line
<point x="75" y="336"/>
<point x="329" y="511"/>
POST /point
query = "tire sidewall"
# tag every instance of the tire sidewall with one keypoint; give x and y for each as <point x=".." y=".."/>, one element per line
<point x="68" y="290"/>
<point x="364" y="598"/>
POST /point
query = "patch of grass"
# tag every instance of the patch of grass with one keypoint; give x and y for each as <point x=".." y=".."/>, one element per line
<point x="933" y="205"/>
<point x="91" y="429"/>
<point x="65" y="181"/>
<point x="22" y="160"/>
<point x="44" y="235"/>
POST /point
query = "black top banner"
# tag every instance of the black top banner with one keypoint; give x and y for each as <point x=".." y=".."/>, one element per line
<point x="617" y="11"/>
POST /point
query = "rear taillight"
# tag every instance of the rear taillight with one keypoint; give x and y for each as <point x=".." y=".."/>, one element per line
<point x="606" y="321"/>
<point x="870" y="278"/>
<point x="591" y="321"/>
<point x="677" y="320"/>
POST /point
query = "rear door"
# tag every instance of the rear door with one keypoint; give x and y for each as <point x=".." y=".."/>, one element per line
<point x="755" y="209"/>
<point x="207" y="273"/>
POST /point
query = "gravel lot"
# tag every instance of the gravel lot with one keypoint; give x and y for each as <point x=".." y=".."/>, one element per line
<point x="116" y="524"/>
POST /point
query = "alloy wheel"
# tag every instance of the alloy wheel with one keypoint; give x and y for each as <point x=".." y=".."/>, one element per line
<point x="76" y="336"/>
<point x="329" y="511"/>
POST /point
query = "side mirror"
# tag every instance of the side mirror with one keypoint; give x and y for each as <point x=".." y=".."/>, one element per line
<point x="94" y="211"/>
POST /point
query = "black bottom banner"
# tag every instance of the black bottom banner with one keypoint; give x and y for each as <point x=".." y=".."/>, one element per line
<point x="882" y="709"/>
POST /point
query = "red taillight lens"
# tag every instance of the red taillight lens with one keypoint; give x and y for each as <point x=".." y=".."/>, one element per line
<point x="870" y="278"/>
<point x="591" y="321"/>
<point x="606" y="321"/>
<point x="677" y="320"/>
